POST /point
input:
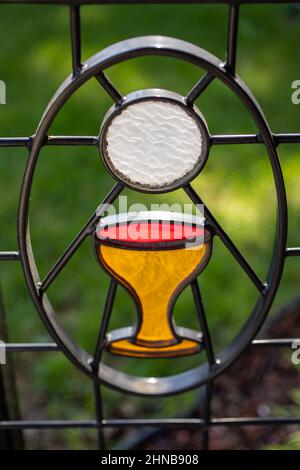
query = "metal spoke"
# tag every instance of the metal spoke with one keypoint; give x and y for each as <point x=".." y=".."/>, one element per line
<point x="235" y="139"/>
<point x="232" y="38"/>
<point x="109" y="87"/>
<point x="199" y="88"/>
<point x="203" y="322"/>
<point x="104" y="325"/>
<point x="67" y="140"/>
<point x="80" y="237"/>
<point x="226" y="240"/>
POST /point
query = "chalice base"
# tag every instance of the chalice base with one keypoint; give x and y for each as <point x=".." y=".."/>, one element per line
<point x="121" y="342"/>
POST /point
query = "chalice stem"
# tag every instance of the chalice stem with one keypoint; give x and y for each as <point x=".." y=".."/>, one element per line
<point x="155" y="329"/>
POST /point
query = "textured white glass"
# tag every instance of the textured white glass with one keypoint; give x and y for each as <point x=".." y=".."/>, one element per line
<point x="153" y="143"/>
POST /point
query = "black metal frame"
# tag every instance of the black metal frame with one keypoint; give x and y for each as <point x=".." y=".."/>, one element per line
<point x="95" y="67"/>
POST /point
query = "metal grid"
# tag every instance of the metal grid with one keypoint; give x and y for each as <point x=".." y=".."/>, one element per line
<point x="99" y="423"/>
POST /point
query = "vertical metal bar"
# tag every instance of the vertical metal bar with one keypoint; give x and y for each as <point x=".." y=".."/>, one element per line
<point x="97" y="358"/>
<point x="75" y="38"/>
<point x="6" y="441"/>
<point x="209" y="387"/>
<point x="9" y="405"/>
<point x="232" y="38"/>
<point x="211" y="360"/>
<point x="99" y="414"/>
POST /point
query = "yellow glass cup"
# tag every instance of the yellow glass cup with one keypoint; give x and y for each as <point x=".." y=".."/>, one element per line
<point x="154" y="256"/>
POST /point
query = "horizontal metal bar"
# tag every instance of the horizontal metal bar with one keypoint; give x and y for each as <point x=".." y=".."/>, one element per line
<point x="14" y="141"/>
<point x="51" y="140"/>
<point x="60" y="424"/>
<point x="293" y="251"/>
<point x="253" y="139"/>
<point x="153" y="423"/>
<point x="9" y="255"/>
<point x="38" y="347"/>
<point x="31" y="347"/>
<point x="279" y="343"/>
<point x="159" y="423"/>
<point x="198" y="422"/>
<point x="255" y="421"/>
<point x="226" y="139"/>
<point x="72" y="140"/>
<point x="235" y="139"/>
<point x="287" y="138"/>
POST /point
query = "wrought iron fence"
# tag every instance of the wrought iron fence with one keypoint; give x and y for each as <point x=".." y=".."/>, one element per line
<point x="100" y="374"/>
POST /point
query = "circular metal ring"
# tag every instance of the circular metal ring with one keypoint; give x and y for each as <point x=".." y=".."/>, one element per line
<point x="137" y="47"/>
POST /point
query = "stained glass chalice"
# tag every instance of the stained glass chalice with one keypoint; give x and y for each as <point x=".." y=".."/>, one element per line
<point x="154" y="256"/>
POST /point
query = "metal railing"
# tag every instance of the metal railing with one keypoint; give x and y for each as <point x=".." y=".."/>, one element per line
<point x="203" y="375"/>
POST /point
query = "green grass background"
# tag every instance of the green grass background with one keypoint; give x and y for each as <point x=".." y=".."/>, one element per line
<point x="236" y="184"/>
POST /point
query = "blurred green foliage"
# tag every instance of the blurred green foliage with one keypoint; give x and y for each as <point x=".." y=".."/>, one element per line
<point x="70" y="183"/>
<point x="292" y="442"/>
